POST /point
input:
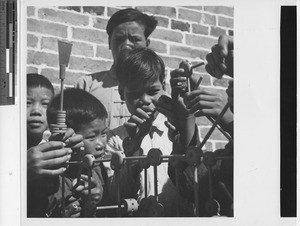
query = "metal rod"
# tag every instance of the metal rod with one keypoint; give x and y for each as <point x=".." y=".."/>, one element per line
<point x="220" y="128"/>
<point x="177" y="186"/>
<point x="146" y="189"/>
<point x="196" y="190"/>
<point x="155" y="183"/>
<point x="197" y="65"/>
<point x="210" y="182"/>
<point x="109" y="207"/>
<point x="214" y="125"/>
<point x="63" y="206"/>
<point x="117" y="172"/>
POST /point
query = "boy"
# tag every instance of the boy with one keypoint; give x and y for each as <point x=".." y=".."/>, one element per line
<point x="141" y="73"/>
<point x="86" y="115"/>
<point x="127" y="29"/>
<point x="44" y="160"/>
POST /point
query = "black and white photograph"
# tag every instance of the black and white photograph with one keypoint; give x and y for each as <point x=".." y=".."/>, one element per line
<point x="135" y="112"/>
<point x="130" y="111"/>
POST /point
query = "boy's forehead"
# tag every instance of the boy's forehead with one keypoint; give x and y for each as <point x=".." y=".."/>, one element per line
<point x="39" y="90"/>
<point x="139" y="84"/>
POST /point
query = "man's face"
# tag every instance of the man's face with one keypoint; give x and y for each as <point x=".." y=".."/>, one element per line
<point x="137" y="95"/>
<point x="127" y="35"/>
<point x="38" y="99"/>
<point x="94" y="137"/>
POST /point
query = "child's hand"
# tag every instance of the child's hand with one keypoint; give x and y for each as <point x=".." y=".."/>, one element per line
<point x="220" y="60"/>
<point x="140" y="121"/>
<point x="47" y="159"/>
<point x="71" y="139"/>
<point x="73" y="207"/>
<point x="208" y="102"/>
<point x="89" y="202"/>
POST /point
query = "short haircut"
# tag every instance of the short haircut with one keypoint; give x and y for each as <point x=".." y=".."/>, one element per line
<point x="130" y="14"/>
<point x="140" y="64"/>
<point x="81" y="107"/>
<point x="36" y="80"/>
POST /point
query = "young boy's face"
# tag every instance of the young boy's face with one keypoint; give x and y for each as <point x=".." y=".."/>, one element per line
<point x="38" y="99"/>
<point x="137" y="95"/>
<point x="127" y="35"/>
<point x="94" y="135"/>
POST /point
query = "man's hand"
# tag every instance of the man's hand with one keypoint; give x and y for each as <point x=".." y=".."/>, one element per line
<point x="220" y="60"/>
<point x="209" y="102"/>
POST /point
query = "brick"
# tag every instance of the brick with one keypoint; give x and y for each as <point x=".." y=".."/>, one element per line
<point x="94" y="10"/>
<point x="208" y="19"/>
<point x="41" y="58"/>
<point x="89" y="35"/>
<point x="162" y="21"/>
<point x="168" y="35"/>
<point x="47" y="28"/>
<point x="200" y="42"/>
<point x="31" y="69"/>
<point x="220" y="145"/>
<point x="78" y="48"/>
<point x="63" y="17"/>
<point x="220" y="10"/>
<point x="216" y="135"/>
<point x="111" y="11"/>
<point x="104" y="52"/>
<point x="190" y="15"/>
<point x="206" y="81"/>
<point x="230" y="32"/>
<point x="199" y="29"/>
<point x="88" y="65"/>
<point x="194" y="7"/>
<point x="158" y="10"/>
<point x="171" y="62"/>
<point x="183" y="51"/>
<point x="223" y="82"/>
<point x="225" y="22"/>
<point x="202" y="121"/>
<point x="179" y="25"/>
<point x="32" y="41"/>
<point x="158" y="46"/>
<point x="100" y="23"/>
<point x="71" y="8"/>
<point x="208" y="146"/>
<point x="30" y="11"/>
<point x="216" y="31"/>
<point x="52" y="75"/>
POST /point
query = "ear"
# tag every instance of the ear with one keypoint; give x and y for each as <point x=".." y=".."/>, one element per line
<point x="109" y="47"/>
<point x="121" y="92"/>
<point x="164" y="85"/>
<point x="147" y="42"/>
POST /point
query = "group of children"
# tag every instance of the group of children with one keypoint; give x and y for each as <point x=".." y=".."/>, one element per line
<point x="56" y="188"/>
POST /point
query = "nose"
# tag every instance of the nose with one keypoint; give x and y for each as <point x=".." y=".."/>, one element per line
<point x="146" y="99"/>
<point x="127" y="44"/>
<point x="36" y="109"/>
<point x="100" y="144"/>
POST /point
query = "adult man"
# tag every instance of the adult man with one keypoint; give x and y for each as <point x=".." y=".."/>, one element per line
<point x="126" y="29"/>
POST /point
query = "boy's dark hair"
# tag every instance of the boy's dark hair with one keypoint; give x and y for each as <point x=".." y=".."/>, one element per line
<point x="130" y="14"/>
<point x="81" y="107"/>
<point x="36" y="80"/>
<point x="140" y="64"/>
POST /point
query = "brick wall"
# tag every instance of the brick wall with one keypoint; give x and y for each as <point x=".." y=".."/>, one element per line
<point x="185" y="32"/>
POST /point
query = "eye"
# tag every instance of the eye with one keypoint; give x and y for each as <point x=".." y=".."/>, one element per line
<point x="153" y="92"/>
<point x="45" y="104"/>
<point x="91" y="137"/>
